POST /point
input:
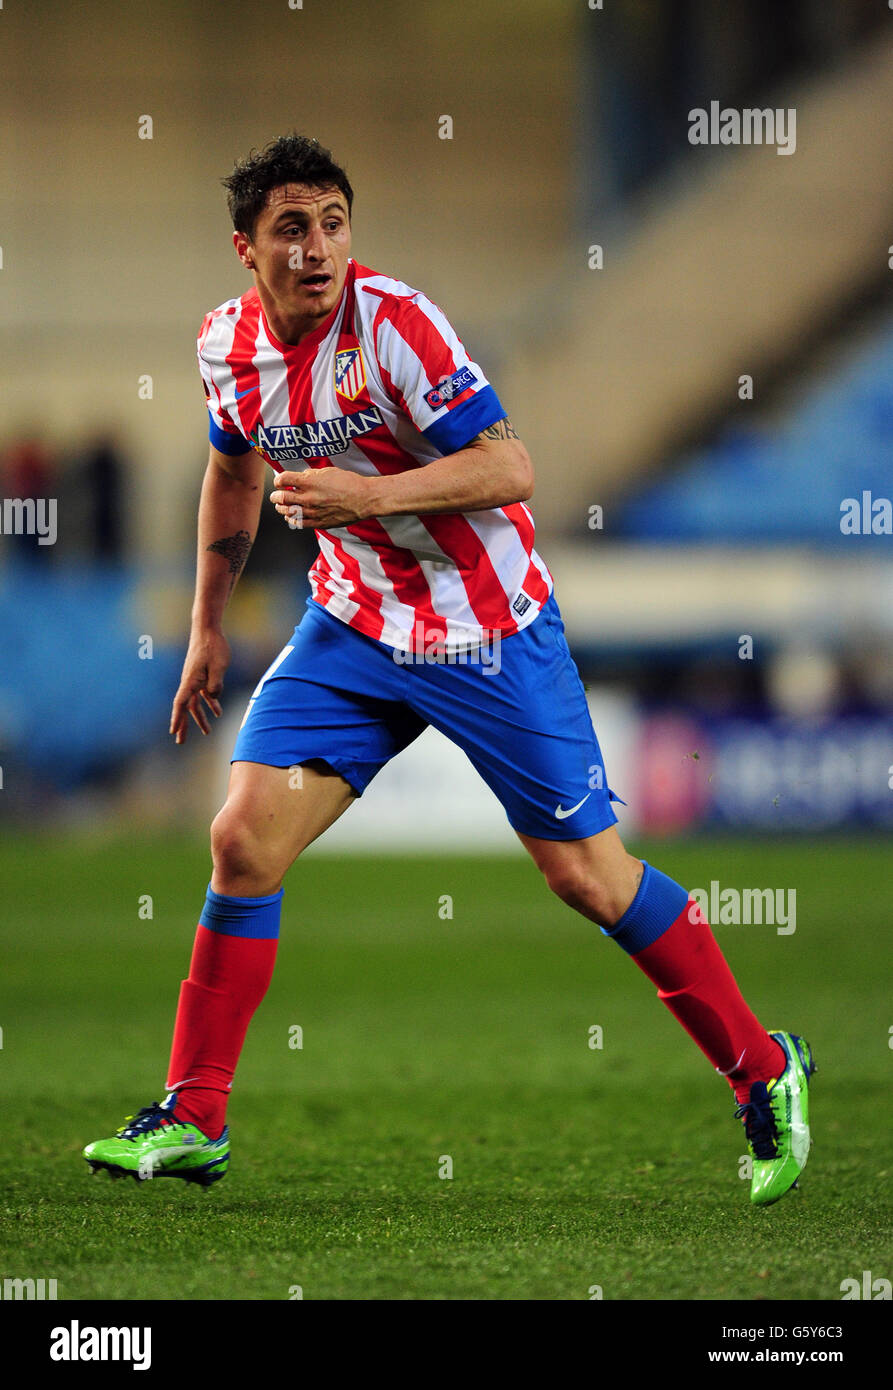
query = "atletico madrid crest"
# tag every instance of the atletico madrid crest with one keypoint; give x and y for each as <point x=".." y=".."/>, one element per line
<point x="350" y="373"/>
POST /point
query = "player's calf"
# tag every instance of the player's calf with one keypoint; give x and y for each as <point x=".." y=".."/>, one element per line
<point x="595" y="876"/>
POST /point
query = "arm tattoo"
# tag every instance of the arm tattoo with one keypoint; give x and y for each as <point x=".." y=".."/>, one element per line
<point x="501" y="430"/>
<point x="234" y="550"/>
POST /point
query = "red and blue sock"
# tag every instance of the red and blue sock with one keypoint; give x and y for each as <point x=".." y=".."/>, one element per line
<point x="231" y="968"/>
<point x="670" y="940"/>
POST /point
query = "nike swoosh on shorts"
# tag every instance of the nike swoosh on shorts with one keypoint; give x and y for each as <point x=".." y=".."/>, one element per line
<point x="561" y="814"/>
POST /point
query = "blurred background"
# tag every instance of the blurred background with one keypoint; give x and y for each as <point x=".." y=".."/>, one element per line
<point x="694" y="341"/>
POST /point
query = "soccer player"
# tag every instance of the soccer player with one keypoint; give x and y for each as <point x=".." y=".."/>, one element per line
<point x="388" y="439"/>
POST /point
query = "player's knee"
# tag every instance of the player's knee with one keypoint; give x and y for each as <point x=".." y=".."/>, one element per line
<point x="238" y="855"/>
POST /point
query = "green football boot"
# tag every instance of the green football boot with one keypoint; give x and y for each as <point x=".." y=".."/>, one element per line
<point x="776" y="1122"/>
<point x="155" y="1144"/>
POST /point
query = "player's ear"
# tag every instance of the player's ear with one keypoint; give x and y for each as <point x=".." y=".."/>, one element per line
<point x="243" y="249"/>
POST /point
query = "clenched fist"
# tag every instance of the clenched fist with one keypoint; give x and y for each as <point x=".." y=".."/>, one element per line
<point x="322" y="497"/>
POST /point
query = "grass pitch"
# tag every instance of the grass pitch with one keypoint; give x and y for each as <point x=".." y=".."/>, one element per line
<point x="428" y="1038"/>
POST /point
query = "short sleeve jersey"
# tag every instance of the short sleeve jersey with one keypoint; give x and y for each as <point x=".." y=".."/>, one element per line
<point x="382" y="385"/>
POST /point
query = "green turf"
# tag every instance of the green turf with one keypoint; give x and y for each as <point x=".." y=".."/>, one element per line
<point x="424" y="1037"/>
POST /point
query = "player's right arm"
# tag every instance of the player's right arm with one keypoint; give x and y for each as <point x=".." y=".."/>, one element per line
<point x="228" y="516"/>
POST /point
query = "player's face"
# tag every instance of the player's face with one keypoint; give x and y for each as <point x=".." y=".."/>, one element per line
<point x="299" y="256"/>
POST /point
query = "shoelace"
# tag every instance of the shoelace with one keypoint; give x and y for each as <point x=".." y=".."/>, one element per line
<point x="759" y="1125"/>
<point x="150" y="1117"/>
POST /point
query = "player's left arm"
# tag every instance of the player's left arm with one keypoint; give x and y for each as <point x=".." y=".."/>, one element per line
<point x="492" y="470"/>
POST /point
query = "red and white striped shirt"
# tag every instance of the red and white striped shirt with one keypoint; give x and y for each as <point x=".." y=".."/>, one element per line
<point x="382" y="385"/>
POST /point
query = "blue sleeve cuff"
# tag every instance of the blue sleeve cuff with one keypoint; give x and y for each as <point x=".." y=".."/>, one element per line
<point x="460" y="425"/>
<point x="226" y="443"/>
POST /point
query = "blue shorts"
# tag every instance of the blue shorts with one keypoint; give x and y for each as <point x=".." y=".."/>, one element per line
<point x="518" y="710"/>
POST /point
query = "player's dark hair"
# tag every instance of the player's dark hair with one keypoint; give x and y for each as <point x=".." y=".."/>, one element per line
<point x="290" y="159"/>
